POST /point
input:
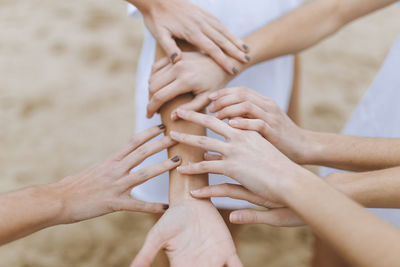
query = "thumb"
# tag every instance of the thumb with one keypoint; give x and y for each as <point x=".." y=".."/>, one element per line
<point x="282" y="217"/>
<point x="149" y="251"/>
<point x="198" y="103"/>
<point x="168" y="44"/>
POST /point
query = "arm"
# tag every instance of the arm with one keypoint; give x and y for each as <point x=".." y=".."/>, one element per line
<point x="246" y="157"/>
<point x="188" y="220"/>
<point x="306" y="26"/>
<point x="292" y="33"/>
<point x="262" y="114"/>
<point x="98" y="190"/>
<point x="193" y="25"/>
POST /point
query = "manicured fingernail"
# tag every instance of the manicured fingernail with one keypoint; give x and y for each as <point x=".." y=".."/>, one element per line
<point x="161" y="126"/>
<point x="233" y="217"/>
<point x="165" y="207"/>
<point x="247" y="57"/>
<point x="233" y="122"/>
<point x="180" y="169"/>
<point x="213" y="96"/>
<point x="195" y="192"/>
<point x="180" y="111"/>
<point x="173" y="56"/>
<point x="234" y="70"/>
<point x="174" y="116"/>
<point x="174" y="134"/>
<point x="176" y="159"/>
<point x="245" y="46"/>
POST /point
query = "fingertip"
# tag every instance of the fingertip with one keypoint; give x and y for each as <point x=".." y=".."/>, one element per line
<point x="234" y="217"/>
<point x="176" y="159"/>
<point x="246" y="48"/>
<point x="234" y="123"/>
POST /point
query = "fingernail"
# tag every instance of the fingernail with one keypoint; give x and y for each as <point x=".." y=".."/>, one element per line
<point x="234" y="70"/>
<point x="165" y="207"/>
<point x="247" y="57"/>
<point x="245" y="46"/>
<point x="174" y="134"/>
<point x="161" y="126"/>
<point x="176" y="159"/>
<point x="173" y="56"/>
<point x="195" y="192"/>
<point x="180" y="169"/>
<point x="233" y="122"/>
<point x="213" y="96"/>
<point x="173" y="116"/>
<point x="233" y="217"/>
<point x="180" y="111"/>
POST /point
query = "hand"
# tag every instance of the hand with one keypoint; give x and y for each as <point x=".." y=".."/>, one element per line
<point x="192" y="233"/>
<point x="277" y="215"/>
<point x="245" y="156"/>
<point x="262" y="114"/>
<point x="196" y="73"/>
<point x="181" y="19"/>
<point x="105" y="187"/>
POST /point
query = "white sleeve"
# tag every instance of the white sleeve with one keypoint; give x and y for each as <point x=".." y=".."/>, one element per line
<point x="133" y="11"/>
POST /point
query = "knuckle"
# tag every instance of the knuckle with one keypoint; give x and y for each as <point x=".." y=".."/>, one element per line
<point x="141" y="174"/>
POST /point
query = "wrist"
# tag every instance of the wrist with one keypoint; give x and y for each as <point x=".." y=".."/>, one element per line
<point x="48" y="199"/>
<point x="144" y="6"/>
<point x="313" y="148"/>
<point x="296" y="185"/>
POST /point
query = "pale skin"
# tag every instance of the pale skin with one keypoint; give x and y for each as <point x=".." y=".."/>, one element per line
<point x="191" y="230"/>
<point x="253" y="112"/>
<point x="101" y="189"/>
<point x="275" y="177"/>
<point x="318" y="20"/>
<point x="193" y="25"/>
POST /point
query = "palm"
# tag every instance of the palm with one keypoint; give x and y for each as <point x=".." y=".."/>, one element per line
<point x="192" y="232"/>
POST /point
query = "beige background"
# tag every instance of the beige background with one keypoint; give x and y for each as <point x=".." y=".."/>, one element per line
<point x="67" y="75"/>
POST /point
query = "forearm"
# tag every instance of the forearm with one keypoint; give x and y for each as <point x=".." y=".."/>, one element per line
<point x="352" y="153"/>
<point x="356" y="234"/>
<point x="27" y="211"/>
<point x="376" y="189"/>
<point x="305" y="27"/>
<point x="181" y="185"/>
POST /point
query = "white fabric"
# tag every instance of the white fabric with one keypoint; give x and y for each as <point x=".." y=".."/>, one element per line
<point x="273" y="79"/>
<point x="378" y="114"/>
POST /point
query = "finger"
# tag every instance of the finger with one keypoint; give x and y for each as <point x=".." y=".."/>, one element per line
<point x="140" y="176"/>
<point x="211" y="49"/>
<point x="137" y="140"/>
<point x="225" y="101"/>
<point x="276" y="217"/>
<point x="232" y="37"/>
<point x="228" y="91"/>
<point x="245" y="109"/>
<point x="202" y="167"/>
<point x="209" y="157"/>
<point x="232" y="191"/>
<point x="198" y="103"/>
<point x="170" y="47"/>
<point x="164" y="95"/>
<point x="160" y="64"/>
<point x="161" y="79"/>
<point x="149" y="251"/>
<point x="257" y="125"/>
<point x="234" y="261"/>
<point x="131" y="204"/>
<point x="227" y="46"/>
<point x="204" y="142"/>
<point x="206" y="121"/>
<point x="143" y="152"/>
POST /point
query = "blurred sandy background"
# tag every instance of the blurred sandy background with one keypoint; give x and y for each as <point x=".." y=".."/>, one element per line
<point x="67" y="75"/>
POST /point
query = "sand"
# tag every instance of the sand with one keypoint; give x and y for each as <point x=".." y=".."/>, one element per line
<point x="67" y="75"/>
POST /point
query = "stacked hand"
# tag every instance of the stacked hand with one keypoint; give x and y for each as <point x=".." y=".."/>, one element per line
<point x="105" y="187"/>
<point x="191" y="233"/>
<point x="194" y="25"/>
<point x="188" y="75"/>
<point x="249" y="110"/>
